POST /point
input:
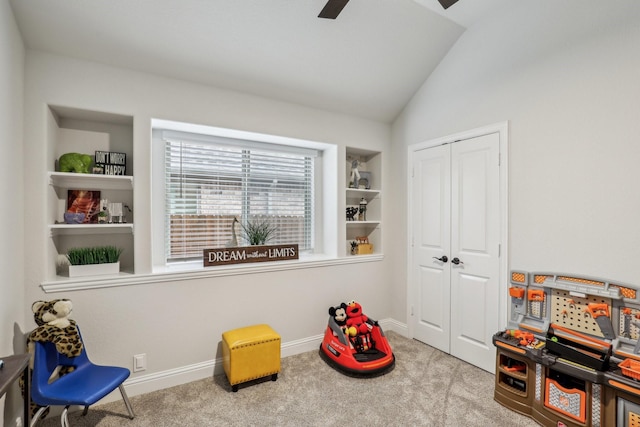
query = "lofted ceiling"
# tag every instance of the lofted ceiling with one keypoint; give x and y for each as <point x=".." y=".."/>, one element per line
<point x="368" y="62"/>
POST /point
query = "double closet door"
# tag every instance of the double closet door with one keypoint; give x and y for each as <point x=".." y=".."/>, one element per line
<point x="455" y="247"/>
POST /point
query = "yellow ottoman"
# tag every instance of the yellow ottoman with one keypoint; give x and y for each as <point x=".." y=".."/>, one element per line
<point x="250" y="353"/>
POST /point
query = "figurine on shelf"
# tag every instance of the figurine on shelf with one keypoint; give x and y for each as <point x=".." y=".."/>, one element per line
<point x="103" y="213"/>
<point x="354" y="248"/>
<point x="115" y="213"/>
<point x="362" y="210"/>
<point x="355" y="175"/>
<point x="351" y="213"/>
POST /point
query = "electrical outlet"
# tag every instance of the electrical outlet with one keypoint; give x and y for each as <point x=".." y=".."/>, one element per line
<point x="139" y="362"/>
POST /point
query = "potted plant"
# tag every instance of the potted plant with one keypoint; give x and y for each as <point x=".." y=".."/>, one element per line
<point x="93" y="261"/>
<point x="258" y="232"/>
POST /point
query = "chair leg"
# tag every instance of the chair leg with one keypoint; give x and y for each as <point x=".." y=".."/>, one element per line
<point x="86" y="409"/>
<point x="37" y="416"/>
<point x="64" y="421"/>
<point x="126" y="401"/>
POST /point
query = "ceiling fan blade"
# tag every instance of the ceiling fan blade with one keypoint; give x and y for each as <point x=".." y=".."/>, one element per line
<point x="332" y="9"/>
<point x="447" y="3"/>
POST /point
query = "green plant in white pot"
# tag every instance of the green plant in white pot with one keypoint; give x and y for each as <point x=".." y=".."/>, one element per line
<point x="94" y="261"/>
<point x="258" y="232"/>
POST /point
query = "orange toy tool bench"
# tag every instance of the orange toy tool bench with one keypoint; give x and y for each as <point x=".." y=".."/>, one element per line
<point x="571" y="353"/>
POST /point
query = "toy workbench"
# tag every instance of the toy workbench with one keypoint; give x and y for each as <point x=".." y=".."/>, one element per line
<point x="571" y="353"/>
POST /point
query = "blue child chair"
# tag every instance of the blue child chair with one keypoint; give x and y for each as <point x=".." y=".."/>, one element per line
<point x="87" y="384"/>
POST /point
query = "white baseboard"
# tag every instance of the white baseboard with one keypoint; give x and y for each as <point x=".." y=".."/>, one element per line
<point x="207" y="369"/>
<point x="395" y="326"/>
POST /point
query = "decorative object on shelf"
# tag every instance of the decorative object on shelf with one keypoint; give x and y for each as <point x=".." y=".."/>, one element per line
<point x="124" y="212"/>
<point x="75" y="162"/>
<point x="233" y="242"/>
<point x="103" y="214"/>
<point x="110" y="163"/>
<point x="364" y="183"/>
<point x="93" y="261"/>
<point x="355" y="174"/>
<point x="73" y="217"/>
<point x="258" y="232"/>
<point x="246" y="254"/>
<point x="115" y="213"/>
<point x="86" y="202"/>
<point x="362" y="246"/>
<point x="94" y="255"/>
<point x="362" y="210"/>
<point x="351" y="213"/>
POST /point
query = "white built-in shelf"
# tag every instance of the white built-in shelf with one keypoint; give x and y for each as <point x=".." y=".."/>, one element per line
<point x="87" y="181"/>
<point x="362" y="223"/>
<point x="74" y="130"/>
<point x="371" y="229"/>
<point x="357" y="194"/>
<point x="361" y="227"/>
<point x="82" y="229"/>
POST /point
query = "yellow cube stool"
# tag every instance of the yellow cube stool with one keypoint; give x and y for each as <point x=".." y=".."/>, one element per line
<point x="250" y="353"/>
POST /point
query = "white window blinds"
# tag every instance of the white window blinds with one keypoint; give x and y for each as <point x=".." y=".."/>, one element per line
<point x="210" y="180"/>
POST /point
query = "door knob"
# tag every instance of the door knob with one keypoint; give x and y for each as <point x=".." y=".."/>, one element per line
<point x="456" y="261"/>
<point x="443" y="258"/>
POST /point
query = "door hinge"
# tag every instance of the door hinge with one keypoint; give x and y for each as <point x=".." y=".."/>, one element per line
<point x="412" y="310"/>
<point x="499" y="250"/>
<point x="499" y="159"/>
<point x="412" y="240"/>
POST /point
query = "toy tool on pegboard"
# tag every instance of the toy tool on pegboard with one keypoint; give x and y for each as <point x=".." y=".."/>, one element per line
<point x="517" y="294"/>
<point x="631" y="326"/>
<point x="600" y="313"/>
<point x="631" y="318"/>
<point x="536" y="298"/>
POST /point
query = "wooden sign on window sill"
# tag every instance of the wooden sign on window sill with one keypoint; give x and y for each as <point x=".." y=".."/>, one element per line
<point x="245" y="254"/>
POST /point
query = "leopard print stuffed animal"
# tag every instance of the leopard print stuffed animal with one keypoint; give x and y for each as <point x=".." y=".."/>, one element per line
<point x="54" y="325"/>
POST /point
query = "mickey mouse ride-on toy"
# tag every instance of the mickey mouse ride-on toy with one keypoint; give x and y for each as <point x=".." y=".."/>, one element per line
<point x="355" y="344"/>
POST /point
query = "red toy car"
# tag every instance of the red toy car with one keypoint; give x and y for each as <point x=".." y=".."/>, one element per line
<point x="356" y="353"/>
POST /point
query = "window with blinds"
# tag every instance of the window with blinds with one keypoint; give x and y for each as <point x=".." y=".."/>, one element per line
<point x="209" y="181"/>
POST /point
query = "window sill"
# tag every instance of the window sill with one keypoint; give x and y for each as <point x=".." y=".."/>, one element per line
<point x="195" y="271"/>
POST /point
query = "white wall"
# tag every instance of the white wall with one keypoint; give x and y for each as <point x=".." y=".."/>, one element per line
<point x="180" y="323"/>
<point x="565" y="76"/>
<point x="11" y="224"/>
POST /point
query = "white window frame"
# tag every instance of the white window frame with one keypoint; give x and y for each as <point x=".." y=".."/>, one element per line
<point x="325" y="192"/>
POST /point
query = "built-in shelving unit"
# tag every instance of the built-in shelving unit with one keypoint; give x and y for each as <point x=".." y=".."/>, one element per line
<point x="73" y="130"/>
<point x="81" y="229"/>
<point x="369" y="189"/>
<point x="105" y="182"/>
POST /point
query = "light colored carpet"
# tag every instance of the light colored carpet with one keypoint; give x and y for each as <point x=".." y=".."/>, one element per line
<point x="426" y="388"/>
